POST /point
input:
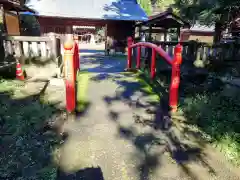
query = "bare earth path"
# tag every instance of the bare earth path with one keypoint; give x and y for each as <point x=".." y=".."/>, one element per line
<point x="109" y="141"/>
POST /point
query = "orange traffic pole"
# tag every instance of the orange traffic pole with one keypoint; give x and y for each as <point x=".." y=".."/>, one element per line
<point x="69" y="76"/>
<point x="19" y="72"/>
<point x="175" y="80"/>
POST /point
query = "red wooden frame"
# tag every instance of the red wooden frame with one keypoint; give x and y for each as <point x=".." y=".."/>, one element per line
<point x="71" y="66"/>
<point x="175" y="62"/>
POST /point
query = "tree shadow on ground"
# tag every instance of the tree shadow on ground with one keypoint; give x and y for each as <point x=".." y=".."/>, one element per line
<point x="100" y="64"/>
<point x="84" y="174"/>
<point x="170" y="138"/>
<point x="185" y="143"/>
<point x="112" y="70"/>
<point x="27" y="135"/>
<point x="148" y="145"/>
<point x="181" y="145"/>
<point x="30" y="131"/>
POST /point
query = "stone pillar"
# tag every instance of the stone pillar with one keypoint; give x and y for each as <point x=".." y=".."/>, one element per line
<point x="55" y="46"/>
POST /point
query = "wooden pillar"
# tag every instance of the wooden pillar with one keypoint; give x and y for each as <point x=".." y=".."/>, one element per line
<point x="2" y="31"/>
<point x="179" y="34"/>
<point x="150" y="33"/>
<point x="106" y="33"/>
<point x="148" y="60"/>
<point x="2" y="20"/>
<point x="140" y="31"/>
<point x="175" y="79"/>
<point x="19" y="23"/>
<point x="218" y="31"/>
<point x="69" y="34"/>
<point x="165" y="35"/>
<point x="129" y="58"/>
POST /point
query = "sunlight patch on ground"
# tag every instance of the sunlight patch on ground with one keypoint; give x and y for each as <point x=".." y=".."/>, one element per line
<point x="12" y="86"/>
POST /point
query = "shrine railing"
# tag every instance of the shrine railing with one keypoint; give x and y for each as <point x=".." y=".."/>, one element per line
<point x="197" y="51"/>
<point x="42" y="52"/>
<point x="174" y="62"/>
<point x="31" y="46"/>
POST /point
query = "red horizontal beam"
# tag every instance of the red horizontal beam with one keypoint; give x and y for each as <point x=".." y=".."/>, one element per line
<point x="158" y="49"/>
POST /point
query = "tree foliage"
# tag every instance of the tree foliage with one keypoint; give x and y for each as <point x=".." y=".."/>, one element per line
<point x="203" y="11"/>
<point x="160" y="5"/>
<point x="164" y="4"/>
<point x="146" y="5"/>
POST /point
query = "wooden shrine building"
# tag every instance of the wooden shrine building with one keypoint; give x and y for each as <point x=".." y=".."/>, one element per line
<point x="9" y="16"/>
<point x="118" y="17"/>
<point x="158" y="26"/>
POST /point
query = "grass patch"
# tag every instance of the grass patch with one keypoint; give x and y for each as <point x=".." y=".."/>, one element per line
<point x="217" y="116"/>
<point x="82" y="88"/>
<point x="25" y="146"/>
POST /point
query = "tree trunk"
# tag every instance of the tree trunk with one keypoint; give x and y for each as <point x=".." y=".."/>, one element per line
<point x="218" y="32"/>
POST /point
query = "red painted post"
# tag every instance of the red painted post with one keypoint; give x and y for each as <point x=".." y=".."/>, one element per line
<point x="175" y="79"/>
<point x="129" y="59"/>
<point x="138" y="57"/>
<point x="153" y="64"/>
<point x="76" y="53"/>
<point x="69" y="76"/>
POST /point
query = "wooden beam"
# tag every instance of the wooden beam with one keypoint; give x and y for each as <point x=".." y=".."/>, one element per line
<point x="26" y="38"/>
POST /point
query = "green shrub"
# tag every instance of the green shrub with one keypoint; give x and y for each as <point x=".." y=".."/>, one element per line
<point x="219" y="117"/>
